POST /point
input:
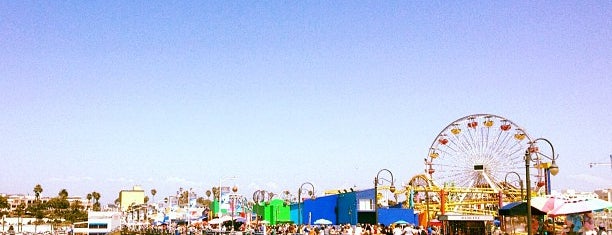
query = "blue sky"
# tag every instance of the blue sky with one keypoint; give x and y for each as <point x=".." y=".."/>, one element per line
<point x="104" y="95"/>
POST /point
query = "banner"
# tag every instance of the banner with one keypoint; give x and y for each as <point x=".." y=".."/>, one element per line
<point x="224" y="204"/>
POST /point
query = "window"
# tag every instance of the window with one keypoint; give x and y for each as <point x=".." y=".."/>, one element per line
<point x="94" y="226"/>
<point x="80" y="225"/>
<point x="365" y="204"/>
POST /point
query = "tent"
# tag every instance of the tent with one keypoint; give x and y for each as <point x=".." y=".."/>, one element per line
<point x="518" y="209"/>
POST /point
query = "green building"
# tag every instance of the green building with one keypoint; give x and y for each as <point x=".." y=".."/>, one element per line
<point x="275" y="211"/>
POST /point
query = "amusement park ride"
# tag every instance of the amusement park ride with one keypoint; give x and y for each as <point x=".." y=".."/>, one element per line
<point x="471" y="168"/>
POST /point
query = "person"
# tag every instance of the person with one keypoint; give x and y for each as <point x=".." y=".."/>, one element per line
<point x="497" y="231"/>
<point x="408" y="230"/>
<point x="601" y="230"/>
<point x="397" y="230"/>
<point x="589" y="224"/>
<point x="358" y="230"/>
<point x="575" y="222"/>
<point x="11" y="230"/>
<point x="535" y="225"/>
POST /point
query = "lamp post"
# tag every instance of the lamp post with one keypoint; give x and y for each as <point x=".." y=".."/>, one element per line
<point x="220" y="181"/>
<point x="376" y="183"/>
<point x="554" y="170"/>
<point x="233" y="200"/>
<point x="310" y="193"/>
<point x="246" y="207"/>
<point x="262" y="196"/>
<point x="189" y="194"/>
<point x="519" y="178"/>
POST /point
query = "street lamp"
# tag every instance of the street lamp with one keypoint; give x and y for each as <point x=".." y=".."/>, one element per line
<point x="247" y="207"/>
<point x="376" y="183"/>
<point x="310" y="193"/>
<point x="189" y="196"/>
<point x="234" y="198"/>
<point x="262" y="196"/>
<point x="553" y="169"/>
<point x="220" y="181"/>
<point x="519" y="178"/>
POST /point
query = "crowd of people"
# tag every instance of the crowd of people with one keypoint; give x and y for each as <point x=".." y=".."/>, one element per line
<point x="288" y="229"/>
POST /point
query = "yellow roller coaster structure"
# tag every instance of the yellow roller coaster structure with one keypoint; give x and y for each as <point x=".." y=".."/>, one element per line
<point x="424" y="196"/>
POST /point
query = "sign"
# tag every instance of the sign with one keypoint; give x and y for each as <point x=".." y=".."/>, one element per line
<point x="225" y="198"/>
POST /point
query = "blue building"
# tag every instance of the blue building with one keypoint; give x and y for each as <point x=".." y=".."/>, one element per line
<point x="348" y="208"/>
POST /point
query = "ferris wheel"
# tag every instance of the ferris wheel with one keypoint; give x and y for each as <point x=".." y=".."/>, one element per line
<point x="477" y="151"/>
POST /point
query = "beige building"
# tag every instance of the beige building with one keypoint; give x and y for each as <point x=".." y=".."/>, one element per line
<point x="135" y="196"/>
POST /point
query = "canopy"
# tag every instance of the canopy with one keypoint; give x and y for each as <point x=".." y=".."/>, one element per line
<point x="546" y="203"/>
<point x="518" y="209"/>
<point x="322" y="221"/>
<point x="575" y="206"/>
<point x="400" y="222"/>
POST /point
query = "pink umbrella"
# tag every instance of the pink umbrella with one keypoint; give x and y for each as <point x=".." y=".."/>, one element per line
<point x="547" y="203"/>
<point x="575" y="206"/>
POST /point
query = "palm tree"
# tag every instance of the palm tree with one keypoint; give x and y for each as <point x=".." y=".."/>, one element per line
<point x="3" y="206"/>
<point x="153" y="192"/>
<point x="202" y="202"/>
<point x="37" y="191"/>
<point x="63" y="194"/>
<point x="20" y="211"/>
<point x="215" y="191"/>
<point x="184" y="197"/>
<point x="36" y="209"/>
<point x="89" y="197"/>
<point x="208" y="193"/>
<point x="96" y="197"/>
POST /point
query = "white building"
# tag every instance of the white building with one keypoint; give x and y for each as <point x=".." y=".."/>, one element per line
<point x="98" y="223"/>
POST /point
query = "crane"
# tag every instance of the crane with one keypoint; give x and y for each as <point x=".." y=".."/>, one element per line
<point x="592" y="164"/>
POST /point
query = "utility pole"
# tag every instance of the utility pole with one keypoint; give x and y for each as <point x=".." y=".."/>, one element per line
<point x="592" y="164"/>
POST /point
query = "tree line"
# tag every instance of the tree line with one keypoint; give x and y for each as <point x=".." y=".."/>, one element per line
<point x="58" y="210"/>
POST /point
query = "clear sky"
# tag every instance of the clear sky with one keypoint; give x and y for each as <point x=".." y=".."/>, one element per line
<point x="104" y="95"/>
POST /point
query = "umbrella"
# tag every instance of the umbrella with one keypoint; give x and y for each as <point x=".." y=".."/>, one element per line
<point x="546" y="204"/>
<point x="220" y="220"/>
<point x="322" y="221"/>
<point x="435" y="222"/>
<point x="400" y="222"/>
<point x="575" y="206"/>
<point x="240" y="220"/>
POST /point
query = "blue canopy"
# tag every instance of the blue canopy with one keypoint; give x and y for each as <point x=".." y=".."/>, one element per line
<point x="518" y="208"/>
